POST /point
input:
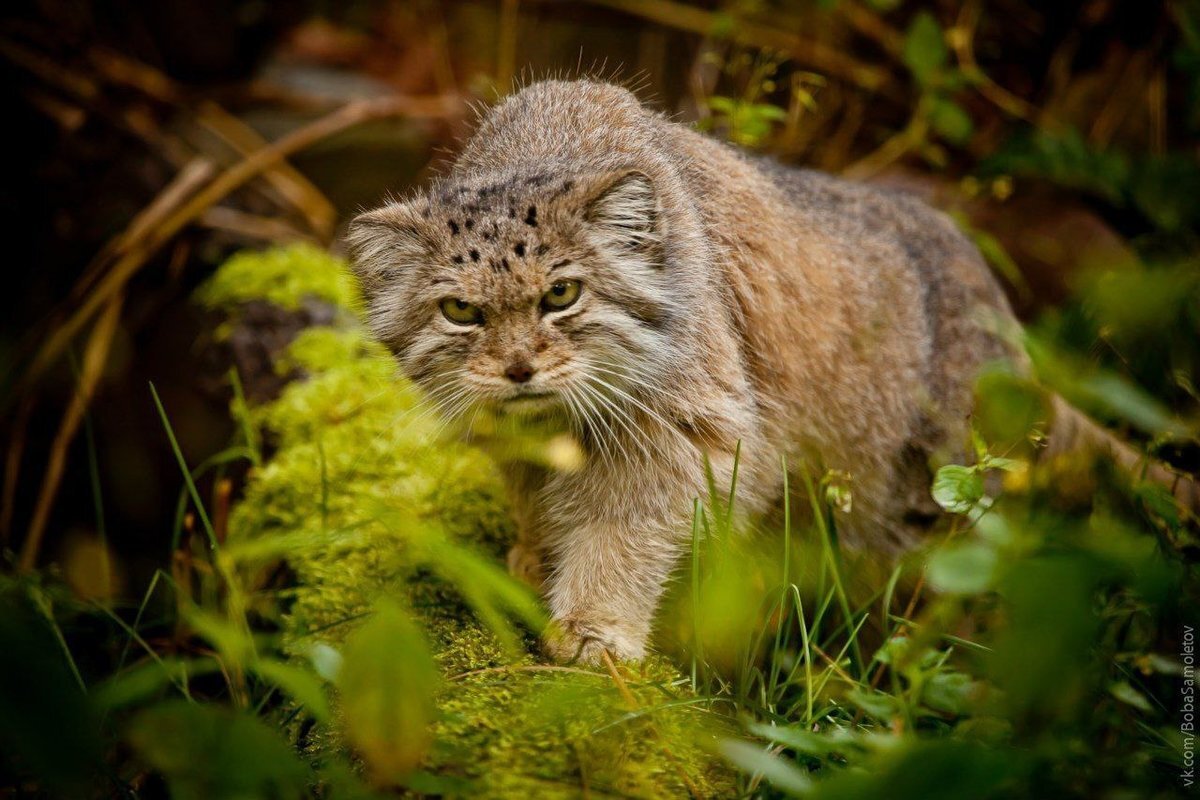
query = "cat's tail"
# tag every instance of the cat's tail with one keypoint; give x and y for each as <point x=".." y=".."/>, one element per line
<point x="1071" y="431"/>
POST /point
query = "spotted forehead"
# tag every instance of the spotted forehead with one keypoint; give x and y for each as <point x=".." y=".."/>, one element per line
<point x="496" y="224"/>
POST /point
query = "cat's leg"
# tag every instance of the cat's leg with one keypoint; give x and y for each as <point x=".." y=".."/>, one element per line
<point x="604" y="587"/>
<point x="617" y="536"/>
<point x="526" y="563"/>
<point x="527" y="556"/>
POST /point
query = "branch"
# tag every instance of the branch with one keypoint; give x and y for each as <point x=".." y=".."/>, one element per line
<point x="819" y="55"/>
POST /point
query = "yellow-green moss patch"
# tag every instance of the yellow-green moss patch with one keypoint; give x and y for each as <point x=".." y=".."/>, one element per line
<point x="360" y="487"/>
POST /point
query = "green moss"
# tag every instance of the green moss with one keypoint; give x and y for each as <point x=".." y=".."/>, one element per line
<point x="284" y="276"/>
<point x="358" y="486"/>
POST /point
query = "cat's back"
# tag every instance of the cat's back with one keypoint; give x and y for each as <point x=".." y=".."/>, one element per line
<point x="866" y="219"/>
<point x="579" y="124"/>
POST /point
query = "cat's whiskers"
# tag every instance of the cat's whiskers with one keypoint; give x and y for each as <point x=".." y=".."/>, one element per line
<point x="637" y="376"/>
<point x="638" y="379"/>
<point x="654" y="415"/>
<point x="581" y="420"/>
<point x="617" y="414"/>
<point x="595" y="418"/>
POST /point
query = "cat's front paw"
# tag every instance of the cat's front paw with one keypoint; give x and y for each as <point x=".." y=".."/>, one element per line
<point x="577" y="641"/>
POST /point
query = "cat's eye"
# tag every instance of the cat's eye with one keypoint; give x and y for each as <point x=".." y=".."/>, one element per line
<point x="562" y="295"/>
<point x="460" y="312"/>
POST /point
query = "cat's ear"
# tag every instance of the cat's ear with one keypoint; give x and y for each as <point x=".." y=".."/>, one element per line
<point x="384" y="244"/>
<point x="622" y="212"/>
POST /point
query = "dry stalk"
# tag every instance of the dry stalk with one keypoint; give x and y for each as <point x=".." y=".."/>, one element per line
<point x="818" y="55"/>
<point x="94" y="359"/>
<point x="188" y="208"/>
<point x="962" y="40"/>
<point x="293" y="187"/>
<point x="632" y="702"/>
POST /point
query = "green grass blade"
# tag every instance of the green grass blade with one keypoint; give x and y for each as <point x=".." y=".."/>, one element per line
<point x="187" y="474"/>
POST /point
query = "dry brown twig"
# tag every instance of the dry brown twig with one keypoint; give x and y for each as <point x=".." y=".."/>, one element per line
<point x="872" y="25"/>
<point x="962" y="40"/>
<point x="895" y="147"/>
<point x="185" y="182"/>
<point x="632" y="703"/>
<point x="253" y="226"/>
<point x="297" y="190"/>
<point x="185" y="208"/>
<point x="186" y="199"/>
<point x="818" y="55"/>
<point x="94" y="358"/>
<point x="293" y="187"/>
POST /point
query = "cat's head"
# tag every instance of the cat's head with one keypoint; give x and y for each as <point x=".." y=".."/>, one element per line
<point x="523" y="293"/>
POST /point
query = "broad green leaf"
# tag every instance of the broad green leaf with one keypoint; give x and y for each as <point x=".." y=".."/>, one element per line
<point x="950" y="121"/>
<point x="925" y="48"/>
<point x="950" y="692"/>
<point x="208" y="752"/>
<point x="387" y="683"/>
<point x="1002" y="464"/>
<point x="1130" y="696"/>
<point x="957" y="488"/>
<point x="754" y="759"/>
<point x="1009" y="408"/>
<point x="967" y="568"/>
<point x="1105" y="391"/>
<point x="998" y="258"/>
<point x="879" y="705"/>
<point x="798" y="739"/>
<point x="492" y="593"/>
<point x="233" y="642"/>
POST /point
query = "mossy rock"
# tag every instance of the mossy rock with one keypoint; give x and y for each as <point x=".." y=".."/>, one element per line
<point x="357" y="484"/>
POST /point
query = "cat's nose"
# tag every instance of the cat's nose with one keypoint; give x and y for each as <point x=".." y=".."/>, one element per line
<point x="519" y="372"/>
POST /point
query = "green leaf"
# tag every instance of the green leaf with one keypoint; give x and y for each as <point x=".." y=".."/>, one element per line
<point x="925" y="48"/>
<point x="1130" y="696"/>
<point x="492" y="593"/>
<point x="968" y="568"/>
<point x="998" y="257"/>
<point x="49" y="731"/>
<point x="211" y="752"/>
<point x="1105" y="391"/>
<point x="146" y="680"/>
<point x="300" y="684"/>
<point x="957" y="488"/>
<point x="950" y="121"/>
<point x="721" y="105"/>
<point x="387" y="682"/>
<point x="950" y="692"/>
<point x="1009" y="408"/>
<point x="754" y="759"/>
<point x="1159" y="500"/>
<point x="877" y="704"/>
<point x="1002" y="464"/>
<point x="798" y="739"/>
<point x="233" y="642"/>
